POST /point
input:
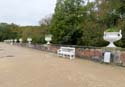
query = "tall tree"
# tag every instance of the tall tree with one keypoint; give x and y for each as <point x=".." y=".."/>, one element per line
<point x="66" y="22"/>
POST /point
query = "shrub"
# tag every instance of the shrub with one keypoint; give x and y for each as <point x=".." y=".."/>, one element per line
<point x="113" y="29"/>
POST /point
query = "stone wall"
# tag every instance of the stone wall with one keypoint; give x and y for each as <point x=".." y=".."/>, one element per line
<point x="91" y="53"/>
<point x="122" y="58"/>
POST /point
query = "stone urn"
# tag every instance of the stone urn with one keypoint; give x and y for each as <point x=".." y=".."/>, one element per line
<point x="20" y="40"/>
<point x="112" y="37"/>
<point x="29" y="40"/>
<point x="11" y="41"/>
<point x="48" y="38"/>
<point x="15" y="40"/>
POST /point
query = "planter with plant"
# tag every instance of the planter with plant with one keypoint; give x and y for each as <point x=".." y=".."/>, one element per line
<point x="112" y="35"/>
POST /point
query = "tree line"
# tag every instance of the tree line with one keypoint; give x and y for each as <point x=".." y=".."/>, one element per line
<point x="75" y="22"/>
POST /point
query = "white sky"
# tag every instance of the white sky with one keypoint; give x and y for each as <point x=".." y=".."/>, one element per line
<point x="25" y="12"/>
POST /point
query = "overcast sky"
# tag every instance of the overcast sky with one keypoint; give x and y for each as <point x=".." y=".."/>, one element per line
<point x="25" y="12"/>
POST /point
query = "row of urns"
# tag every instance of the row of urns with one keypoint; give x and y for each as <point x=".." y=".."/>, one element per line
<point x="20" y="40"/>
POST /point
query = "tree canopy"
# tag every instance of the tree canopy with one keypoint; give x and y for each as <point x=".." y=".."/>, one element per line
<point x="74" y="22"/>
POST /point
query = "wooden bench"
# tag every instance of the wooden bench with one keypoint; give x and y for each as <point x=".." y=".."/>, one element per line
<point x="66" y="52"/>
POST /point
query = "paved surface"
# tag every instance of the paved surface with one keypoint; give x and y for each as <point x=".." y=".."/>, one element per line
<point x="23" y="67"/>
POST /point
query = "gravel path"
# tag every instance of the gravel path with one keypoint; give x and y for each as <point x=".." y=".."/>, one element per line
<point x="23" y="67"/>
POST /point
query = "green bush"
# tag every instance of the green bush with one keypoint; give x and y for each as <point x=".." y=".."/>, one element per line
<point x="113" y="29"/>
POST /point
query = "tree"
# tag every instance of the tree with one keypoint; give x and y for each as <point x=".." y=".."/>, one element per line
<point x="112" y="14"/>
<point x="45" y="23"/>
<point x="6" y="31"/>
<point x="66" y="22"/>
